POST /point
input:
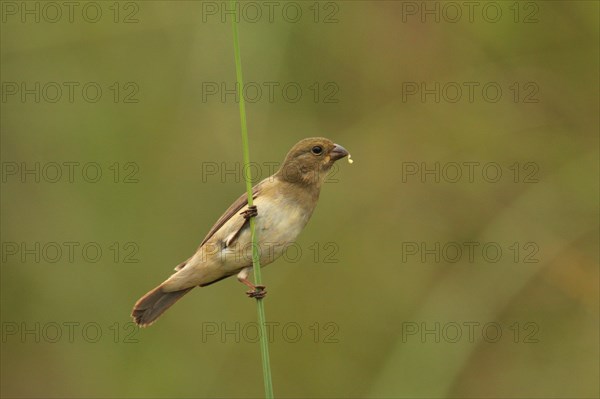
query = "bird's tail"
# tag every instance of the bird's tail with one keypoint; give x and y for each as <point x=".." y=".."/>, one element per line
<point x="149" y="307"/>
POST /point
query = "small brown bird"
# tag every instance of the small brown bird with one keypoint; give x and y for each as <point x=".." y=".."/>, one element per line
<point x="282" y="205"/>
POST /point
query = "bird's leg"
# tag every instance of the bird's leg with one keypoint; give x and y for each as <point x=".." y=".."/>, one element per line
<point x="257" y="291"/>
<point x="250" y="212"/>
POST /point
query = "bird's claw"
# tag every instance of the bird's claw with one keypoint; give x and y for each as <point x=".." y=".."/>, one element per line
<point x="250" y="212"/>
<point x="258" y="292"/>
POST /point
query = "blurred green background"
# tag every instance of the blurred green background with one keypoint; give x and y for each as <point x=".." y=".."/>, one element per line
<point x="378" y="303"/>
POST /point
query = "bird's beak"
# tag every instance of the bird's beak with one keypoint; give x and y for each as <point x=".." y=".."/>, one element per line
<point x="338" y="152"/>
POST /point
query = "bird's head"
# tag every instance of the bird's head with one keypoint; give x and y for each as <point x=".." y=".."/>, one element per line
<point x="308" y="161"/>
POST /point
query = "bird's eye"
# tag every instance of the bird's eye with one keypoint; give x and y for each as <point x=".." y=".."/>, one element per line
<point x="317" y="150"/>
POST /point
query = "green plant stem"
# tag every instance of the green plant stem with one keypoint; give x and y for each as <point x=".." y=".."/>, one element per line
<point x="264" y="344"/>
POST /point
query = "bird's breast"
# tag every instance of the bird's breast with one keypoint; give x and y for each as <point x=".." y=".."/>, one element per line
<point x="280" y="221"/>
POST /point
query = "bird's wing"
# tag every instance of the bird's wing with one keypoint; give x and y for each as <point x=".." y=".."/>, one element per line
<point x="237" y="205"/>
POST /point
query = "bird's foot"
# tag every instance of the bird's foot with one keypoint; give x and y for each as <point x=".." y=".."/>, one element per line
<point x="250" y="212"/>
<point x="258" y="292"/>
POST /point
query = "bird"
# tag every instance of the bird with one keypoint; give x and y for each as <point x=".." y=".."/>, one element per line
<point x="282" y="205"/>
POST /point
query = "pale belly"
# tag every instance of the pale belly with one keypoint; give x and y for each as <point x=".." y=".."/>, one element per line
<point x="278" y="225"/>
